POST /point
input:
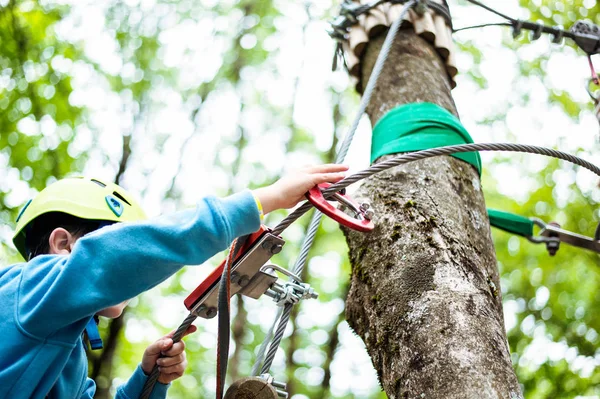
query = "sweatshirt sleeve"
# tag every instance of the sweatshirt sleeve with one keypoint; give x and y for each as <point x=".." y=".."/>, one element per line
<point x="118" y="262"/>
<point x="133" y="387"/>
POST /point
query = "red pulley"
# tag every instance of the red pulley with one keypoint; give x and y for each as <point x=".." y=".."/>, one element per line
<point x="362" y="220"/>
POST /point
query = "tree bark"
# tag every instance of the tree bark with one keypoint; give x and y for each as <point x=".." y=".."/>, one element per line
<point x="424" y="293"/>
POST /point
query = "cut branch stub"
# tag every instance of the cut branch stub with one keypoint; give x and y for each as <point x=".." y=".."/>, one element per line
<point x="251" y="388"/>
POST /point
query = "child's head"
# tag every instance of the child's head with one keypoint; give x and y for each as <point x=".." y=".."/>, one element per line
<point x="67" y="210"/>
<point x="55" y="232"/>
<point x="77" y="206"/>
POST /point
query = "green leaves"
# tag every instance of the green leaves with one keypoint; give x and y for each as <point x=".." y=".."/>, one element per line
<point x="212" y="97"/>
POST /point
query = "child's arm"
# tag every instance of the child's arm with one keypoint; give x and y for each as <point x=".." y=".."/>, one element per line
<point x="118" y="262"/>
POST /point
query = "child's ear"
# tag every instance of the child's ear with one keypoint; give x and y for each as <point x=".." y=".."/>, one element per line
<point x="61" y="242"/>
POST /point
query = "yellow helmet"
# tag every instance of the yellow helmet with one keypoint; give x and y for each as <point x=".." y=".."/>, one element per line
<point x="83" y="197"/>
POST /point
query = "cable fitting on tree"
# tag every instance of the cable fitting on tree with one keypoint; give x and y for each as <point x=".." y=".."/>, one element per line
<point x="553" y="245"/>
<point x="557" y="37"/>
<point x="537" y="33"/>
<point x="350" y="10"/>
<point x="552" y="235"/>
<point x="587" y="36"/>
<point x="421" y="7"/>
<point x="517" y="28"/>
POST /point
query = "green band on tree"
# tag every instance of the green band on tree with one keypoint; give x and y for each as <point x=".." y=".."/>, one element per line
<point x="420" y="126"/>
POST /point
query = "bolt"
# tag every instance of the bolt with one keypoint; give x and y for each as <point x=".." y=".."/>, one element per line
<point x="211" y="312"/>
<point x="309" y="292"/>
<point x="554" y="245"/>
<point x="367" y="212"/>
<point x="198" y="312"/>
<point x="275" y="249"/>
<point x="243" y="281"/>
<point x="235" y="278"/>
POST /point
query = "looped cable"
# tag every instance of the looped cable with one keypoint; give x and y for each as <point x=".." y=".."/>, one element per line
<point x="224" y="316"/>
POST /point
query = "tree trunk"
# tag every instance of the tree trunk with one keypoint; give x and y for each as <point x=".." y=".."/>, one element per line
<point x="424" y="293"/>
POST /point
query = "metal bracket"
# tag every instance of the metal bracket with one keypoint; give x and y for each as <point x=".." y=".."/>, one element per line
<point x="246" y="275"/>
<point x="587" y="36"/>
<point x="551" y="235"/>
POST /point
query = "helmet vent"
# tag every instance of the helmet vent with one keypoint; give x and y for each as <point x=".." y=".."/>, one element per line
<point x="119" y="196"/>
<point x="98" y="182"/>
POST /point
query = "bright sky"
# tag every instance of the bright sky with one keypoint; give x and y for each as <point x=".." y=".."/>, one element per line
<point x="193" y="49"/>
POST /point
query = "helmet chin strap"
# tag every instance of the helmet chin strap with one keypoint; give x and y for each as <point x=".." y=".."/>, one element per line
<point x="93" y="335"/>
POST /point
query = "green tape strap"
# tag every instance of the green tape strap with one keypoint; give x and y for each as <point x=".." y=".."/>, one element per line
<point x="510" y="222"/>
<point x="420" y="126"/>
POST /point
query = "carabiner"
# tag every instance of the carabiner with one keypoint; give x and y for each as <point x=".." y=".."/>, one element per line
<point x="363" y="214"/>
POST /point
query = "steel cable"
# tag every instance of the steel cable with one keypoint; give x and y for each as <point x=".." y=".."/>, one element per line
<point x="316" y="219"/>
<point x="434" y="152"/>
<point x="263" y="345"/>
<point x="153" y="377"/>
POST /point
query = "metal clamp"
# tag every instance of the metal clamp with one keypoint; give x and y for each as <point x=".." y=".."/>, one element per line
<point x="552" y="235"/>
<point x="558" y="37"/>
<point x="280" y="387"/>
<point x="289" y="292"/>
<point x="246" y="276"/>
<point x="587" y="36"/>
<point x="349" y="10"/>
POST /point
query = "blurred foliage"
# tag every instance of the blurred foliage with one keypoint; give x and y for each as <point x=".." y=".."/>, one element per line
<point x="37" y="122"/>
<point x="51" y="126"/>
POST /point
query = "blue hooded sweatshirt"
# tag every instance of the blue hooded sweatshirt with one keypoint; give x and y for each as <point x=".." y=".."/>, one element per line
<point x="47" y="302"/>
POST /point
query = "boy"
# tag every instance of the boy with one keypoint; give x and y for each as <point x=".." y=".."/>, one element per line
<point x="82" y="263"/>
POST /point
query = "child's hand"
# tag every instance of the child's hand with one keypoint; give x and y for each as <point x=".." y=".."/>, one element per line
<point x="173" y="362"/>
<point x="290" y="189"/>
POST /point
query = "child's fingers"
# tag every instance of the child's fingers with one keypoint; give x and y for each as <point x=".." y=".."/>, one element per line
<point x="191" y="329"/>
<point x="157" y="347"/>
<point x="328" y="177"/>
<point x="175" y="349"/>
<point x="171" y="361"/>
<point x="327" y="168"/>
<point x="177" y="369"/>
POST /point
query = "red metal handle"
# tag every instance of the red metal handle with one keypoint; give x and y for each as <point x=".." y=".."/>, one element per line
<point x="315" y="197"/>
<point x="214" y="277"/>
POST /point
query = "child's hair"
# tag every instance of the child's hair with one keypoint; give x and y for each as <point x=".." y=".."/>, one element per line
<point x="38" y="234"/>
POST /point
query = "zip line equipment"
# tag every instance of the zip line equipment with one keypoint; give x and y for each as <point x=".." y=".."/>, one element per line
<point x="246" y="269"/>
<point x="252" y="277"/>
<point x="550" y="233"/>
<point x="584" y="34"/>
<point x="249" y="254"/>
